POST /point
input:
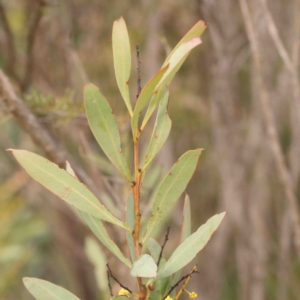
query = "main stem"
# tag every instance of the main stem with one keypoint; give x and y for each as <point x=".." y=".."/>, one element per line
<point x="136" y="191"/>
<point x="136" y="186"/>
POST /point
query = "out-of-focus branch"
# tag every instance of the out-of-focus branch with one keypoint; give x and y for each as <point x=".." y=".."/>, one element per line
<point x="37" y="132"/>
<point x="32" y="33"/>
<point x="11" y="51"/>
<point x="273" y="31"/>
<point x="283" y="172"/>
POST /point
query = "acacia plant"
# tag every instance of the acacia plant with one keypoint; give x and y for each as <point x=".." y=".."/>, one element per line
<point x="157" y="277"/>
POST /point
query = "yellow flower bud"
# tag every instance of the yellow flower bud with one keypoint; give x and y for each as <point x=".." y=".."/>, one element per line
<point x="193" y="295"/>
<point x="123" y="292"/>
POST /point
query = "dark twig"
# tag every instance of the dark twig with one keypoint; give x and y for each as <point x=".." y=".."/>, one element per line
<point x="179" y="281"/>
<point x="139" y="88"/>
<point x="32" y="34"/>
<point x="109" y="285"/>
<point x="163" y="246"/>
<point x="114" y="278"/>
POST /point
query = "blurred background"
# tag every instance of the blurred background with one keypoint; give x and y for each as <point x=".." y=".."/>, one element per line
<point x="237" y="96"/>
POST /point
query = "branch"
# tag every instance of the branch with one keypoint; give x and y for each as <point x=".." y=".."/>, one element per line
<point x="163" y="246"/>
<point x="11" y="51"/>
<point x="32" y="33"/>
<point x="109" y="286"/>
<point x="268" y="116"/>
<point x="193" y="271"/>
<point x="114" y="278"/>
<point x="138" y="71"/>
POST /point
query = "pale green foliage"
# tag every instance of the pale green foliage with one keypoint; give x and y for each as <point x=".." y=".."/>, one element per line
<point x="159" y="273"/>
<point x="144" y="266"/>
<point x="44" y="290"/>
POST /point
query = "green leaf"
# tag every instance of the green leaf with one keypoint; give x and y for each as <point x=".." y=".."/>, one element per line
<point x="144" y="266"/>
<point x="186" y="222"/>
<point x="100" y="231"/>
<point x="171" y="188"/>
<point x="154" y="248"/>
<point x="64" y="185"/>
<point x="160" y="286"/>
<point x="122" y="59"/>
<point x="97" y="258"/>
<point x="104" y="127"/>
<point x="162" y="127"/>
<point x="187" y="250"/>
<point x="149" y="89"/>
<point x="44" y="290"/>
<point x="195" y="31"/>
<point x="130" y="223"/>
<point x="186" y="229"/>
<point x="175" y="62"/>
<point x="119" y="298"/>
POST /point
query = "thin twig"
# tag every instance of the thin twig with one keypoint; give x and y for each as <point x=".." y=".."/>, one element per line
<point x="139" y="88"/>
<point x="109" y="285"/>
<point x="163" y="246"/>
<point x="268" y="116"/>
<point x="194" y="270"/>
<point x="114" y="278"/>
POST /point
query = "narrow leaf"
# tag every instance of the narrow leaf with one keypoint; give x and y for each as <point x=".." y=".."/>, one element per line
<point x="186" y="222"/>
<point x="171" y="188"/>
<point x="154" y="248"/>
<point x="44" y="290"/>
<point x="195" y="31"/>
<point x="144" y="266"/>
<point x="97" y="258"/>
<point x="104" y="127"/>
<point x="162" y="127"/>
<point x="64" y="185"/>
<point x="122" y="59"/>
<point x="130" y="223"/>
<point x="185" y="232"/>
<point x="161" y="285"/>
<point x="175" y="62"/>
<point x="187" y="250"/>
<point x="100" y="231"/>
<point x="149" y="89"/>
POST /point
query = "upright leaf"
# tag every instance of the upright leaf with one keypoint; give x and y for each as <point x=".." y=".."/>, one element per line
<point x="160" y="286"/>
<point x="154" y="248"/>
<point x="149" y="89"/>
<point x="122" y="59"/>
<point x="171" y="188"/>
<point x="130" y="223"/>
<point x="44" y="290"/>
<point x="186" y="220"/>
<point x="64" y="185"/>
<point x="104" y="127"/>
<point x="98" y="259"/>
<point x="144" y="266"/>
<point x="185" y="232"/>
<point x="162" y="127"/>
<point x="175" y="62"/>
<point x="187" y="250"/>
<point x="99" y="230"/>
<point x="194" y="32"/>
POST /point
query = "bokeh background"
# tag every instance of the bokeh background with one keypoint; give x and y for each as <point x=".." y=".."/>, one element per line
<point x="237" y="96"/>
